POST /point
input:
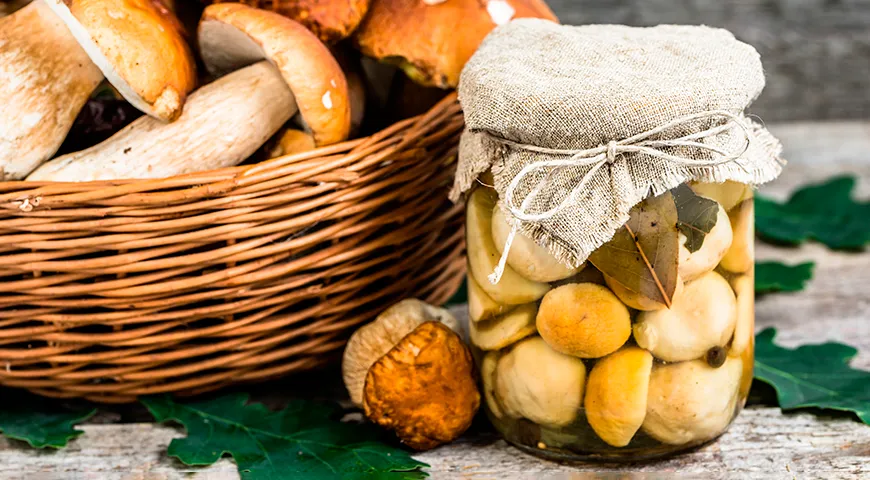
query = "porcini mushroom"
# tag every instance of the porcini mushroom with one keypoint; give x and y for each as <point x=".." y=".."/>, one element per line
<point x="431" y="41"/>
<point x="501" y="331"/>
<point x="716" y="243"/>
<point x="741" y="256"/>
<point x="483" y="256"/>
<point x="330" y="20"/>
<point x="374" y="340"/>
<point x="534" y="381"/>
<point x="691" y="401"/>
<point x="584" y="320"/>
<point x="729" y="194"/>
<point x="290" y="141"/>
<point x="480" y="305"/>
<point x="418" y="376"/>
<point x="487" y="373"/>
<point x="227" y="120"/>
<point x="527" y="257"/>
<point x="616" y="394"/>
<point x="701" y="317"/>
<point x="54" y="54"/>
<point x="744" y="287"/>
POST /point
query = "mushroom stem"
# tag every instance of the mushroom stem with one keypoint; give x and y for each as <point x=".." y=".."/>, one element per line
<point x="46" y="78"/>
<point x="223" y="123"/>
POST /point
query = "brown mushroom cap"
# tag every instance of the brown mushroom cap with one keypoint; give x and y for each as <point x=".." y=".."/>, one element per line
<point x="232" y="36"/>
<point x="138" y="46"/>
<point x="424" y="388"/>
<point x="330" y="20"/>
<point x="431" y="43"/>
<point x="374" y="340"/>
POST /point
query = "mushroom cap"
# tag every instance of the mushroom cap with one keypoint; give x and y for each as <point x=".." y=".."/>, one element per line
<point x="373" y="341"/>
<point x="291" y="141"/>
<point x="513" y="288"/>
<point x="691" y="401"/>
<point x="139" y="47"/>
<point x="616" y="394"/>
<point x="499" y="332"/>
<point x="487" y="375"/>
<point x="480" y="305"/>
<point x="703" y="316"/>
<point x="330" y="20"/>
<point x="536" y="382"/>
<point x="741" y="256"/>
<point x="527" y="257"/>
<point x="431" y="43"/>
<point x="583" y="319"/>
<point x="424" y="388"/>
<point x="729" y="194"/>
<point x="232" y="36"/>
<point x="744" y="287"/>
<point x="716" y="244"/>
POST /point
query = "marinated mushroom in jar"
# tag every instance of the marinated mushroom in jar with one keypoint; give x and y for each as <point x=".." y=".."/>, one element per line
<point x="715" y="244"/>
<point x="483" y="256"/>
<point x="691" y="401"/>
<point x="527" y="257"/>
<point x="584" y="320"/>
<point x="702" y="317"/>
<point x="504" y="330"/>
<point x="616" y="395"/>
<point x="534" y="381"/>
<point x="741" y="255"/>
<point x="480" y="305"/>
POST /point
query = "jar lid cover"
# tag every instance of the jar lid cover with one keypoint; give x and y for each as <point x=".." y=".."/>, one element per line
<point x="579" y="124"/>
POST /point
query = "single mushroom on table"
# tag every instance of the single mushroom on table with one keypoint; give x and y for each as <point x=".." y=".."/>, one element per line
<point x="430" y="40"/>
<point x="227" y="120"/>
<point x="412" y="374"/>
<point x="330" y="20"/>
<point x="54" y="53"/>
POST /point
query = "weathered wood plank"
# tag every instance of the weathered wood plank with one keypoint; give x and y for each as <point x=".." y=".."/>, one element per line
<point x="762" y="443"/>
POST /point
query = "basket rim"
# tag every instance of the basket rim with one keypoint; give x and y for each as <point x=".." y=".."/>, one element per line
<point x="23" y="195"/>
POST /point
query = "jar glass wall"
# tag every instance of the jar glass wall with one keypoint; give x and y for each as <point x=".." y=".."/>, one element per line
<point x="643" y="351"/>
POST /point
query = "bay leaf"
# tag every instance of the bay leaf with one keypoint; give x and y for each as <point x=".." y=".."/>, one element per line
<point x="696" y="216"/>
<point x="642" y="256"/>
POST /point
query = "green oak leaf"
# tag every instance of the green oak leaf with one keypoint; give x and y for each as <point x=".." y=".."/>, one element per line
<point x="813" y="376"/>
<point x="304" y="438"/>
<point x="39" y="422"/>
<point x="779" y="277"/>
<point x="824" y="212"/>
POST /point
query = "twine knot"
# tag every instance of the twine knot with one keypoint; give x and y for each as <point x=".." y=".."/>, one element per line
<point x="595" y="158"/>
<point x="611" y="151"/>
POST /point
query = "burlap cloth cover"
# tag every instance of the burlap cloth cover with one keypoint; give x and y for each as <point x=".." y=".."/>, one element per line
<point x="537" y="93"/>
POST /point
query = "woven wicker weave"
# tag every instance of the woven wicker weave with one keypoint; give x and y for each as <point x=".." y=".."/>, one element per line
<point x="112" y="290"/>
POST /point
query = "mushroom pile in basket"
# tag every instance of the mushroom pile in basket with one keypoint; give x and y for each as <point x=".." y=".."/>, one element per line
<point x="221" y="84"/>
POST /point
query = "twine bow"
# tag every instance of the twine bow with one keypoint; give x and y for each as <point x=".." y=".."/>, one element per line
<point x="607" y="154"/>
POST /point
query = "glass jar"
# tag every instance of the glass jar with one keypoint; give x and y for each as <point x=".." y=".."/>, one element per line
<point x="643" y="351"/>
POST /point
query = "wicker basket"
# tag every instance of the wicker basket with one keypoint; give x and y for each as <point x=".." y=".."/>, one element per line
<point x="112" y="290"/>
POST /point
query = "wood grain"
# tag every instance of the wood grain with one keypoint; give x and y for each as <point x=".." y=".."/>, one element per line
<point x="763" y="443"/>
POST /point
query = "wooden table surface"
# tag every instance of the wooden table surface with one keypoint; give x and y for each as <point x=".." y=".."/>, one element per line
<point x="763" y="442"/>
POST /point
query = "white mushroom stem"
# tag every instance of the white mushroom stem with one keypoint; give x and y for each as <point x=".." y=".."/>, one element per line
<point x="223" y="123"/>
<point x="46" y="78"/>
